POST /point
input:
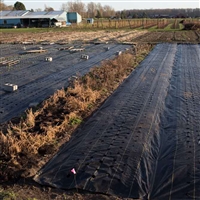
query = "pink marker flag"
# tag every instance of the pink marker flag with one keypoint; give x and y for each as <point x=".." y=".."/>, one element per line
<point x="73" y="171"/>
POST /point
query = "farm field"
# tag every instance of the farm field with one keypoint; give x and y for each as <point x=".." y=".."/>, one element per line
<point x="146" y="130"/>
<point x="172" y="37"/>
<point x="113" y="35"/>
<point x="140" y="142"/>
<point x="69" y="36"/>
<point x="37" y="79"/>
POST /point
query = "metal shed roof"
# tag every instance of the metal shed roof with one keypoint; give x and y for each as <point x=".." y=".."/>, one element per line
<point x="3" y="13"/>
<point x="53" y="13"/>
<point x="13" y="13"/>
<point x="36" y="15"/>
<point x="50" y="15"/>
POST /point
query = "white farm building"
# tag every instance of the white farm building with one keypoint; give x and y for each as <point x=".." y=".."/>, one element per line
<point x="25" y="18"/>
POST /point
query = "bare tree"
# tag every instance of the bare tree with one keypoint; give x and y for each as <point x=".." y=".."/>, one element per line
<point x="100" y="9"/>
<point x="91" y="9"/>
<point x="3" y="6"/>
<point x="75" y="6"/>
<point x="48" y="9"/>
<point x="108" y="11"/>
<point x="167" y="13"/>
<point x="9" y="7"/>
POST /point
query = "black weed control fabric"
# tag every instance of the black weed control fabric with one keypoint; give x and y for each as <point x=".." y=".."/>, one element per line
<point x="144" y="142"/>
<point x="37" y="80"/>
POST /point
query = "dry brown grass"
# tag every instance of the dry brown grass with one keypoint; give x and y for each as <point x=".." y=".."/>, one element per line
<point x="67" y="35"/>
<point x="58" y="116"/>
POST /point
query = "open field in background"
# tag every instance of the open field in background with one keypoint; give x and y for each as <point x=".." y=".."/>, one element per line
<point x="134" y="23"/>
<point x="112" y="24"/>
<point x="65" y="37"/>
<point x="71" y="36"/>
<point x="131" y="30"/>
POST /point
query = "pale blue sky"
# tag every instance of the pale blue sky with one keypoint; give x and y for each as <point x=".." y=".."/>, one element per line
<point x="117" y="4"/>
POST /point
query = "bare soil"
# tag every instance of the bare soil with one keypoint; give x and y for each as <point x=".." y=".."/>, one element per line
<point x="69" y="37"/>
<point x="103" y="36"/>
<point x="172" y="37"/>
<point x="28" y="190"/>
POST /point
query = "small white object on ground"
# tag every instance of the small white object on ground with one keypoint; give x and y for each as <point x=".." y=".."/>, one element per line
<point x="86" y="57"/>
<point x="118" y="53"/>
<point x="49" y="59"/>
<point x="10" y="87"/>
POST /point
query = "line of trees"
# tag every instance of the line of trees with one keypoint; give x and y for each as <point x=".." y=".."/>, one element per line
<point x="3" y="6"/>
<point x="159" y="13"/>
<point x="85" y="10"/>
<point x="17" y="6"/>
<point x="89" y="10"/>
<point x="97" y="10"/>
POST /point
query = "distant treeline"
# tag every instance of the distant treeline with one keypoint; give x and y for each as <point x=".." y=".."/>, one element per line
<point x="159" y="13"/>
<point x="96" y="10"/>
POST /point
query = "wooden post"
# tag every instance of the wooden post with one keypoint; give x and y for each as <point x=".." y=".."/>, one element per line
<point x="143" y="23"/>
<point x="129" y="21"/>
<point x="157" y="24"/>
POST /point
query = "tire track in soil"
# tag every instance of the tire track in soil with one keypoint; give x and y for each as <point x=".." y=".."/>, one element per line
<point x="12" y="104"/>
